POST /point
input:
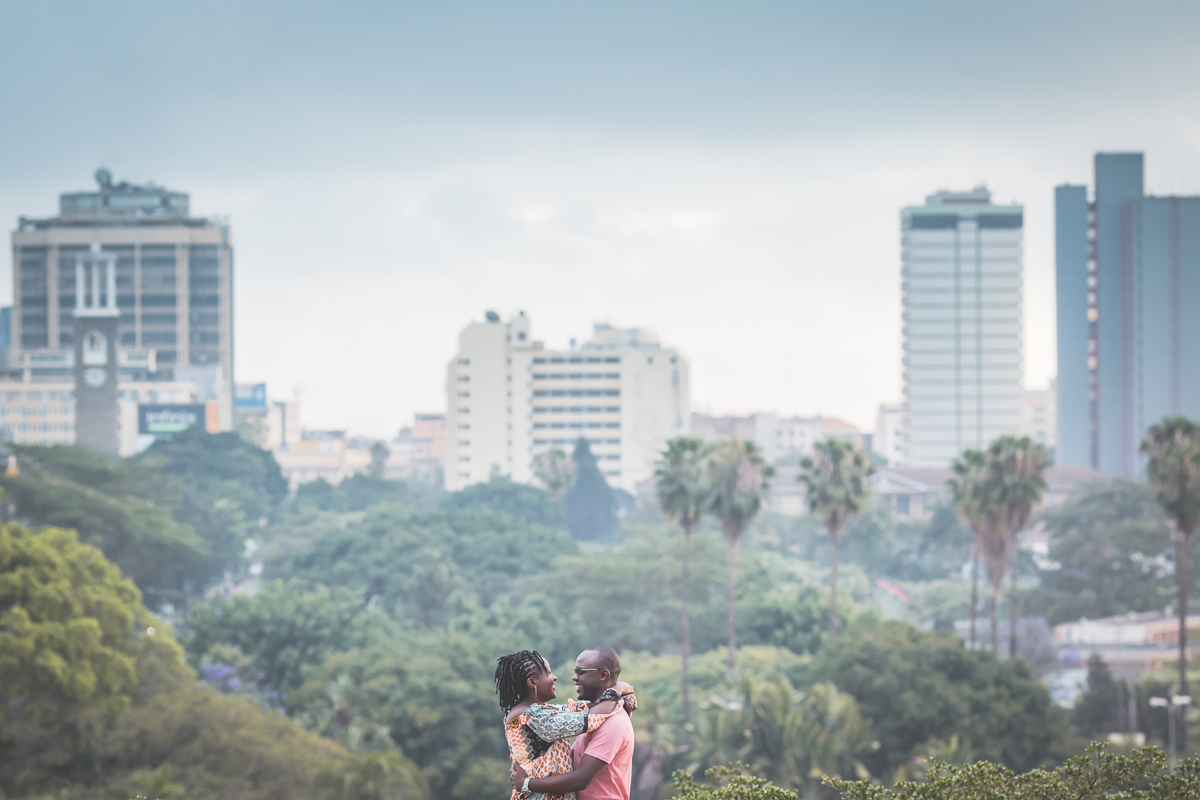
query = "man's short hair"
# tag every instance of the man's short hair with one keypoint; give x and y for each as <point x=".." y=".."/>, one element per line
<point x="606" y="658"/>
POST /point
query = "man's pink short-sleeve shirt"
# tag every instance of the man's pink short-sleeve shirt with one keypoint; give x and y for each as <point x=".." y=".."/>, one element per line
<point x="612" y="743"/>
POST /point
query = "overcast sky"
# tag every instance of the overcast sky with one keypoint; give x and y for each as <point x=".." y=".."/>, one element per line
<point x="727" y="174"/>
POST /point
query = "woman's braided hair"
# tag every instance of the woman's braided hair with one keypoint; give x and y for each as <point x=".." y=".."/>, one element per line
<point x="512" y="671"/>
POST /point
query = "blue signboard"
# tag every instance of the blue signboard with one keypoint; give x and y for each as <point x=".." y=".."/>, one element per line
<point x="250" y="395"/>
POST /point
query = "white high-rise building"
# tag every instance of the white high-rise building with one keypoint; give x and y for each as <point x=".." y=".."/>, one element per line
<point x="508" y="399"/>
<point x="963" y="339"/>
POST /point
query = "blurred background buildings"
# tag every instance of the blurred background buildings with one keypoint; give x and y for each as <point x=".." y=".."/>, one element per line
<point x="509" y="400"/>
<point x="1128" y="300"/>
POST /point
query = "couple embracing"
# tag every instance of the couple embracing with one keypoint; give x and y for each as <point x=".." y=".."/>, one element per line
<point x="544" y="765"/>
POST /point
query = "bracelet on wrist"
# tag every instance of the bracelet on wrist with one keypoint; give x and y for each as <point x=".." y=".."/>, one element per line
<point x="525" y="785"/>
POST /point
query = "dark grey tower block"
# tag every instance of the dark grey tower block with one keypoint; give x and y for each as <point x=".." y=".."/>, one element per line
<point x="96" y="369"/>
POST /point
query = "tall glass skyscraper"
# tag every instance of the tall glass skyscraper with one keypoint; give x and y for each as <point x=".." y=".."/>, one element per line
<point x="963" y="334"/>
<point x="1128" y="278"/>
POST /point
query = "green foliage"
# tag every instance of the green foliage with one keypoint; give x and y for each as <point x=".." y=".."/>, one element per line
<point x="361" y="491"/>
<point x="124" y="510"/>
<point x="591" y="506"/>
<point x="835" y="482"/>
<point x="1172" y="449"/>
<point x="523" y="503"/>
<point x="1095" y="776"/>
<point x="283" y="628"/>
<point x="913" y="686"/>
<point x="434" y="694"/>
<point x="1093" y="715"/>
<point x="791" y="737"/>
<point x="222" y="465"/>
<point x="925" y="550"/>
<point x="127" y="715"/>
<point x="69" y="623"/>
<point x="417" y="562"/>
<point x="1109" y="548"/>
<point x="377" y="775"/>
<point x="797" y="619"/>
<point x="555" y="471"/>
<point x="731" y="782"/>
<point x="629" y="598"/>
<point x="682" y="482"/>
<point x="737" y="474"/>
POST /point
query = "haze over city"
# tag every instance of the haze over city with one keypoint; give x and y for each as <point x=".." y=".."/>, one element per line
<point x="729" y="177"/>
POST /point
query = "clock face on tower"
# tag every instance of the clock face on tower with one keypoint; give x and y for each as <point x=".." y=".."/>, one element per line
<point x="95" y="377"/>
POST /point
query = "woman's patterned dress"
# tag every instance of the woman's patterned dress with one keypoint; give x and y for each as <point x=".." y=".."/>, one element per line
<point x="537" y="740"/>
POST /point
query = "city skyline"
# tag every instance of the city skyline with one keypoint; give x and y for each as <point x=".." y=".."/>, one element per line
<point x="629" y="183"/>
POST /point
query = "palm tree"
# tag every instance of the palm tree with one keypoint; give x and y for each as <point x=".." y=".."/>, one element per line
<point x="1172" y="448"/>
<point x="967" y="490"/>
<point x="835" y="484"/>
<point x="737" y="474"/>
<point x="557" y="474"/>
<point x="681" y="480"/>
<point x="1017" y="465"/>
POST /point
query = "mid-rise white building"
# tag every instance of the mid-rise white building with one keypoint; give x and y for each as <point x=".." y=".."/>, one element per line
<point x="963" y="342"/>
<point x="508" y="399"/>
<point x="781" y="439"/>
<point x="888" y="441"/>
<point x="1039" y="415"/>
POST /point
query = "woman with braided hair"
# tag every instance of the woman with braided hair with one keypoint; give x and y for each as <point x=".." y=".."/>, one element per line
<point x="537" y="730"/>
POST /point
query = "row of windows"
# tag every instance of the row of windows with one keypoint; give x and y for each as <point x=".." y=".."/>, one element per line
<point x="577" y="360"/>
<point x="44" y="411"/>
<point x="572" y="441"/>
<point x="24" y="427"/>
<point x="576" y="425"/>
<point x="37" y="395"/>
<point x="575" y="376"/>
<point x="577" y="409"/>
<point x="580" y="393"/>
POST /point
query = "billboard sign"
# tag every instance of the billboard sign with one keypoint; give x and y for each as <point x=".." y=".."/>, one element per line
<point x="250" y="395"/>
<point x="158" y="419"/>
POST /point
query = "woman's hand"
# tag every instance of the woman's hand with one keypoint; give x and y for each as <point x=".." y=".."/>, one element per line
<point x="516" y="776"/>
<point x="630" y="702"/>
<point x="623" y="688"/>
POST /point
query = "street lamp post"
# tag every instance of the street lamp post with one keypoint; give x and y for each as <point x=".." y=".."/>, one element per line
<point x="1170" y="705"/>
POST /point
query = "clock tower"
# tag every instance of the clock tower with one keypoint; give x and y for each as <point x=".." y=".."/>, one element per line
<point x="96" y="332"/>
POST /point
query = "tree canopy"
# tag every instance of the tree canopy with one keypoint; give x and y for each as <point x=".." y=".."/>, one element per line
<point x="590" y="505"/>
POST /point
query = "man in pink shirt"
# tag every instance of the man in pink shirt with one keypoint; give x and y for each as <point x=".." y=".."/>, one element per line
<point x="603" y="759"/>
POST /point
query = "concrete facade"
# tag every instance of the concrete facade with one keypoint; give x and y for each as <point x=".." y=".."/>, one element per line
<point x="962" y="289"/>
<point x="174" y="279"/>
<point x="1128" y="283"/>
<point x="509" y="400"/>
